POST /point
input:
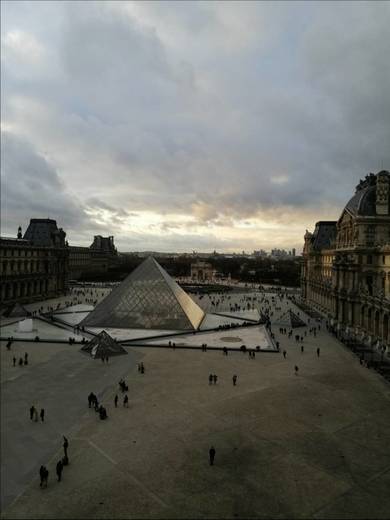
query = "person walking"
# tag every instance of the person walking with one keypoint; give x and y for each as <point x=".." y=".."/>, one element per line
<point x="20" y="362"/>
<point x="65" y="446"/>
<point x="302" y="349"/>
<point x="32" y="410"/>
<point x="44" y="476"/>
<point x="215" y="377"/>
<point x="59" y="468"/>
<point x="211" y="377"/>
<point x="25" y="358"/>
<point x="296" y="370"/>
<point x="284" y="354"/>
<point x="46" y="479"/>
<point x="41" y="475"/>
<point x="116" y="400"/>
<point x="318" y="352"/>
<point x="212" y="455"/>
<point x="42" y="414"/>
<point x="234" y="380"/>
<point x="14" y="361"/>
<point x="126" y="401"/>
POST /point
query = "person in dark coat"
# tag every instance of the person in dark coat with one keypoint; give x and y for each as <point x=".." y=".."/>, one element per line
<point x="41" y="475"/>
<point x="65" y="446"/>
<point x="44" y="474"/>
<point x="14" y="360"/>
<point x="116" y="400"/>
<point x="212" y="455"/>
<point x="126" y="401"/>
<point x="59" y="469"/>
<point x="42" y="414"/>
<point x="234" y="380"/>
<point x="32" y="410"/>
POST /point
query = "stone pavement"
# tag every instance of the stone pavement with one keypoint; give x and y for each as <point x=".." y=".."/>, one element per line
<point x="316" y="445"/>
<point x="58" y="378"/>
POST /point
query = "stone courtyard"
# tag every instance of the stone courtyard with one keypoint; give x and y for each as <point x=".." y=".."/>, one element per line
<point x="316" y="445"/>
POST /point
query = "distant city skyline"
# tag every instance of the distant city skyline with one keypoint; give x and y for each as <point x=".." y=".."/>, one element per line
<point x="203" y="126"/>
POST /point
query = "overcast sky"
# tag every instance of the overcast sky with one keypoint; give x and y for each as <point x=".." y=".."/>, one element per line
<point x="191" y="125"/>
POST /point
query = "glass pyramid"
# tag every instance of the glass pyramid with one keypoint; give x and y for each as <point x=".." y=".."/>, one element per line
<point x="290" y="319"/>
<point x="147" y="299"/>
<point x="103" y="345"/>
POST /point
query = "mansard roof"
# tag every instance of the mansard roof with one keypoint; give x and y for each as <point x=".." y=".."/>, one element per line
<point x="363" y="203"/>
<point x="324" y="234"/>
<point x="44" y="232"/>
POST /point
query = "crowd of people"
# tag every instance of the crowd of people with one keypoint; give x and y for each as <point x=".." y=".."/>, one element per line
<point x="265" y="304"/>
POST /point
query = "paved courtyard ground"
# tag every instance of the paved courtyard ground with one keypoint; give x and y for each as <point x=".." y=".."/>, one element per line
<point x="316" y="445"/>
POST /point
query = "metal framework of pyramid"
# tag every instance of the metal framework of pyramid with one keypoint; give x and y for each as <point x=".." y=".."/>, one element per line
<point x="102" y="346"/>
<point x="290" y="319"/>
<point x="147" y="299"/>
<point x="16" y="311"/>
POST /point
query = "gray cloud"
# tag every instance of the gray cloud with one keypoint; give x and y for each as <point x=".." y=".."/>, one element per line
<point x="30" y="184"/>
<point x="219" y="111"/>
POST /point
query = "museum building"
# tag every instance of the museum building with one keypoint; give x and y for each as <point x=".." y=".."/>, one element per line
<point x="33" y="266"/>
<point x="346" y="265"/>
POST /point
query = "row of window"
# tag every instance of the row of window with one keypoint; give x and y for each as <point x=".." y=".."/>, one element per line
<point x="22" y="252"/>
<point x="10" y="291"/>
<point x="25" y="266"/>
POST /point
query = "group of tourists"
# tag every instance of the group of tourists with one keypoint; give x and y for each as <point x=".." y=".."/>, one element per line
<point x="34" y="414"/>
<point x="22" y="361"/>
<point x="123" y="386"/>
<point x="92" y="401"/>
<point x="213" y="378"/>
<point x="141" y="368"/>
<point x="64" y="461"/>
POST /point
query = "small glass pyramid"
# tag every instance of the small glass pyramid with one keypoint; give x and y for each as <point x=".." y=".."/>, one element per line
<point x="290" y="319"/>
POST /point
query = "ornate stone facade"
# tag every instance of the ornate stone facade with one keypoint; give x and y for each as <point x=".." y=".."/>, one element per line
<point x="33" y="267"/>
<point x="202" y="272"/>
<point x="346" y="265"/>
<point x="99" y="257"/>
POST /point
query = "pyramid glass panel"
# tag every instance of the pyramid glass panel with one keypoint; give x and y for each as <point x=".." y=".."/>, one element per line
<point x="147" y="299"/>
<point x="290" y="319"/>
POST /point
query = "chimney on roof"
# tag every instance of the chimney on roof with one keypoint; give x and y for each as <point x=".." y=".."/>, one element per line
<point x="20" y="232"/>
